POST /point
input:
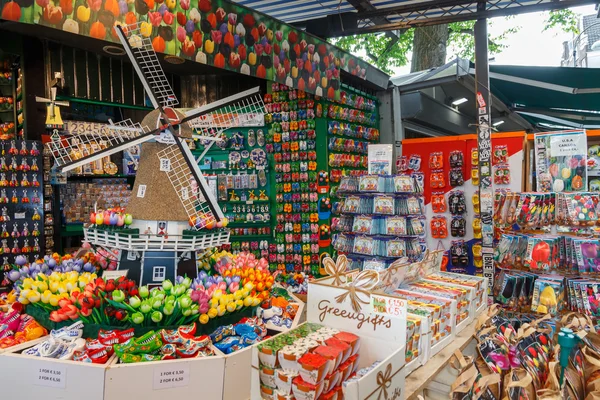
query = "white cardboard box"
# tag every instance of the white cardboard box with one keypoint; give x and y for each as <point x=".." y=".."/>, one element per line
<point x="36" y="377"/>
<point x="172" y="379"/>
<point x="391" y="370"/>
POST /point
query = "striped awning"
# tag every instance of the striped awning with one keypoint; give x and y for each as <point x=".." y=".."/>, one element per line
<point x="377" y="15"/>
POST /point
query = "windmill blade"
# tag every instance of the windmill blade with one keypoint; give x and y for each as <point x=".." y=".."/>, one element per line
<point x="141" y="53"/>
<point x="42" y="99"/>
<point x="53" y="93"/>
<point x="74" y="151"/>
<point x="243" y="109"/>
<point x="190" y="185"/>
<point x="62" y="103"/>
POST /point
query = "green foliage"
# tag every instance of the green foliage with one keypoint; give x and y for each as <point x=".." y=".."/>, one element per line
<point x="376" y="48"/>
<point x="566" y="20"/>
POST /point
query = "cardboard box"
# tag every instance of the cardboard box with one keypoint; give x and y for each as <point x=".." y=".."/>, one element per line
<point x="48" y="378"/>
<point x="171" y="379"/>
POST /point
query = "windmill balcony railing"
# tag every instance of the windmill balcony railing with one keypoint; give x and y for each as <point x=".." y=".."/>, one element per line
<point x="151" y="242"/>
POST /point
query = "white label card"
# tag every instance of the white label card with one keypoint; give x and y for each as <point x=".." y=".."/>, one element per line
<point x="20" y="215"/>
<point x="171" y="375"/>
<point x="392" y="307"/>
<point x="141" y="191"/>
<point x="52" y="376"/>
<point x="165" y="164"/>
<point x="106" y="275"/>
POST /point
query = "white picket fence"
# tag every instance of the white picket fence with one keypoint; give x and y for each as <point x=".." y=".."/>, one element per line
<point x="143" y="242"/>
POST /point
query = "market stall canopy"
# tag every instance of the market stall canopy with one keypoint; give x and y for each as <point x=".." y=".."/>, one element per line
<point x="441" y="101"/>
<point x="331" y="18"/>
<point x="550" y="97"/>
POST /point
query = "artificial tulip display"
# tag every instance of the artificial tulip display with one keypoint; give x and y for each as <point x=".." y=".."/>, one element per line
<point x="111" y="217"/>
<point x="91" y="261"/>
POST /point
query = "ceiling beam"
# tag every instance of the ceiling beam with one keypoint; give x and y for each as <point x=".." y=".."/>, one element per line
<point x="459" y="9"/>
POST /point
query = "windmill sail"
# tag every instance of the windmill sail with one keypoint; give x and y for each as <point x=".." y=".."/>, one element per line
<point x="145" y="61"/>
<point x="72" y="151"/>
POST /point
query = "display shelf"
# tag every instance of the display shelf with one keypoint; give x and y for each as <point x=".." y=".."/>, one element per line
<point x="247" y="201"/>
<point x="377" y="235"/>
<point x="248" y="237"/>
<point x="101" y="176"/>
<point x="248" y="224"/>
<point x="420" y="378"/>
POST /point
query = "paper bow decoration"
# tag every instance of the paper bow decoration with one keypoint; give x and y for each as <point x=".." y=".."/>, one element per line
<point x="358" y="289"/>
<point x="336" y="269"/>
<point x="384" y="381"/>
<point x="387" y="274"/>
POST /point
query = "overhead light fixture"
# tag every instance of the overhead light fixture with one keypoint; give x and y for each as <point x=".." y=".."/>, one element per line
<point x="498" y="123"/>
<point x="114" y="50"/>
<point x="459" y="101"/>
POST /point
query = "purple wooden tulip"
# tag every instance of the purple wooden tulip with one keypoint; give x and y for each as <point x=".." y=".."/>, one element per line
<point x="162" y="9"/>
<point x="113" y="219"/>
<point x="190" y="27"/>
<point x="236" y="41"/>
<point x="14" y="275"/>
<point x="52" y="263"/>
<point x="88" y="267"/>
<point x="223" y="29"/>
<point x="20" y="260"/>
<point x="79" y="262"/>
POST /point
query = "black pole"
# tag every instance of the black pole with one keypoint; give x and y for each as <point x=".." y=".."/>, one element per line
<point x="484" y="144"/>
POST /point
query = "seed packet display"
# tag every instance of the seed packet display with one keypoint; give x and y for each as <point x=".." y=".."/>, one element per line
<point x="343" y="243"/>
<point x="377" y="265"/>
<point x="404" y="184"/>
<point x="352" y="204"/>
<point x="436" y="179"/>
<point x="364" y="224"/>
<point x="371" y="183"/>
<point x="395" y="225"/>
<point x="342" y="223"/>
<point x="410" y="205"/>
<point x="416" y="226"/>
<point x="384" y="205"/>
<point x="582" y="208"/>
<point x="548" y="296"/>
<point x="439" y="306"/>
<point x="539" y="254"/>
<point x="396" y="248"/>
<point x="365" y="245"/>
<point x="587" y="255"/>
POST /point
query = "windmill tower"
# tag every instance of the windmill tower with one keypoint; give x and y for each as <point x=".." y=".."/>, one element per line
<point x="175" y="212"/>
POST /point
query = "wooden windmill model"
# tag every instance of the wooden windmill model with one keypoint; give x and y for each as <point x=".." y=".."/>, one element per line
<point x="170" y="197"/>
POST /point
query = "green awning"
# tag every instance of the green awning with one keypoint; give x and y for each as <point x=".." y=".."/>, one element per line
<point x="559" y="96"/>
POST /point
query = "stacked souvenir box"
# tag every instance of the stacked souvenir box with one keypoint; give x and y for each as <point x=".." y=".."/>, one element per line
<point x="309" y="362"/>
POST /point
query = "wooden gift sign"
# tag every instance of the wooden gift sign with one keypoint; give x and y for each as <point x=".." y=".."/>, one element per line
<point x="348" y="307"/>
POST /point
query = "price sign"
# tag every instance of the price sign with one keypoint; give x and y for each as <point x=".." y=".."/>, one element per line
<point x="388" y="306"/>
<point x="173" y="375"/>
<point x="53" y="376"/>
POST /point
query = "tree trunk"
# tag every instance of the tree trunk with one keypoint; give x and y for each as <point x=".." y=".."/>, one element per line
<point x="429" y="47"/>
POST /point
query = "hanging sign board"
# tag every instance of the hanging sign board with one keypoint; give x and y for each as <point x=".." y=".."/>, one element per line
<point x="380" y="159"/>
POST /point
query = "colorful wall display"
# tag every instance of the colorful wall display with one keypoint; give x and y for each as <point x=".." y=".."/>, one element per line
<point x="451" y="183"/>
<point x="213" y="32"/>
